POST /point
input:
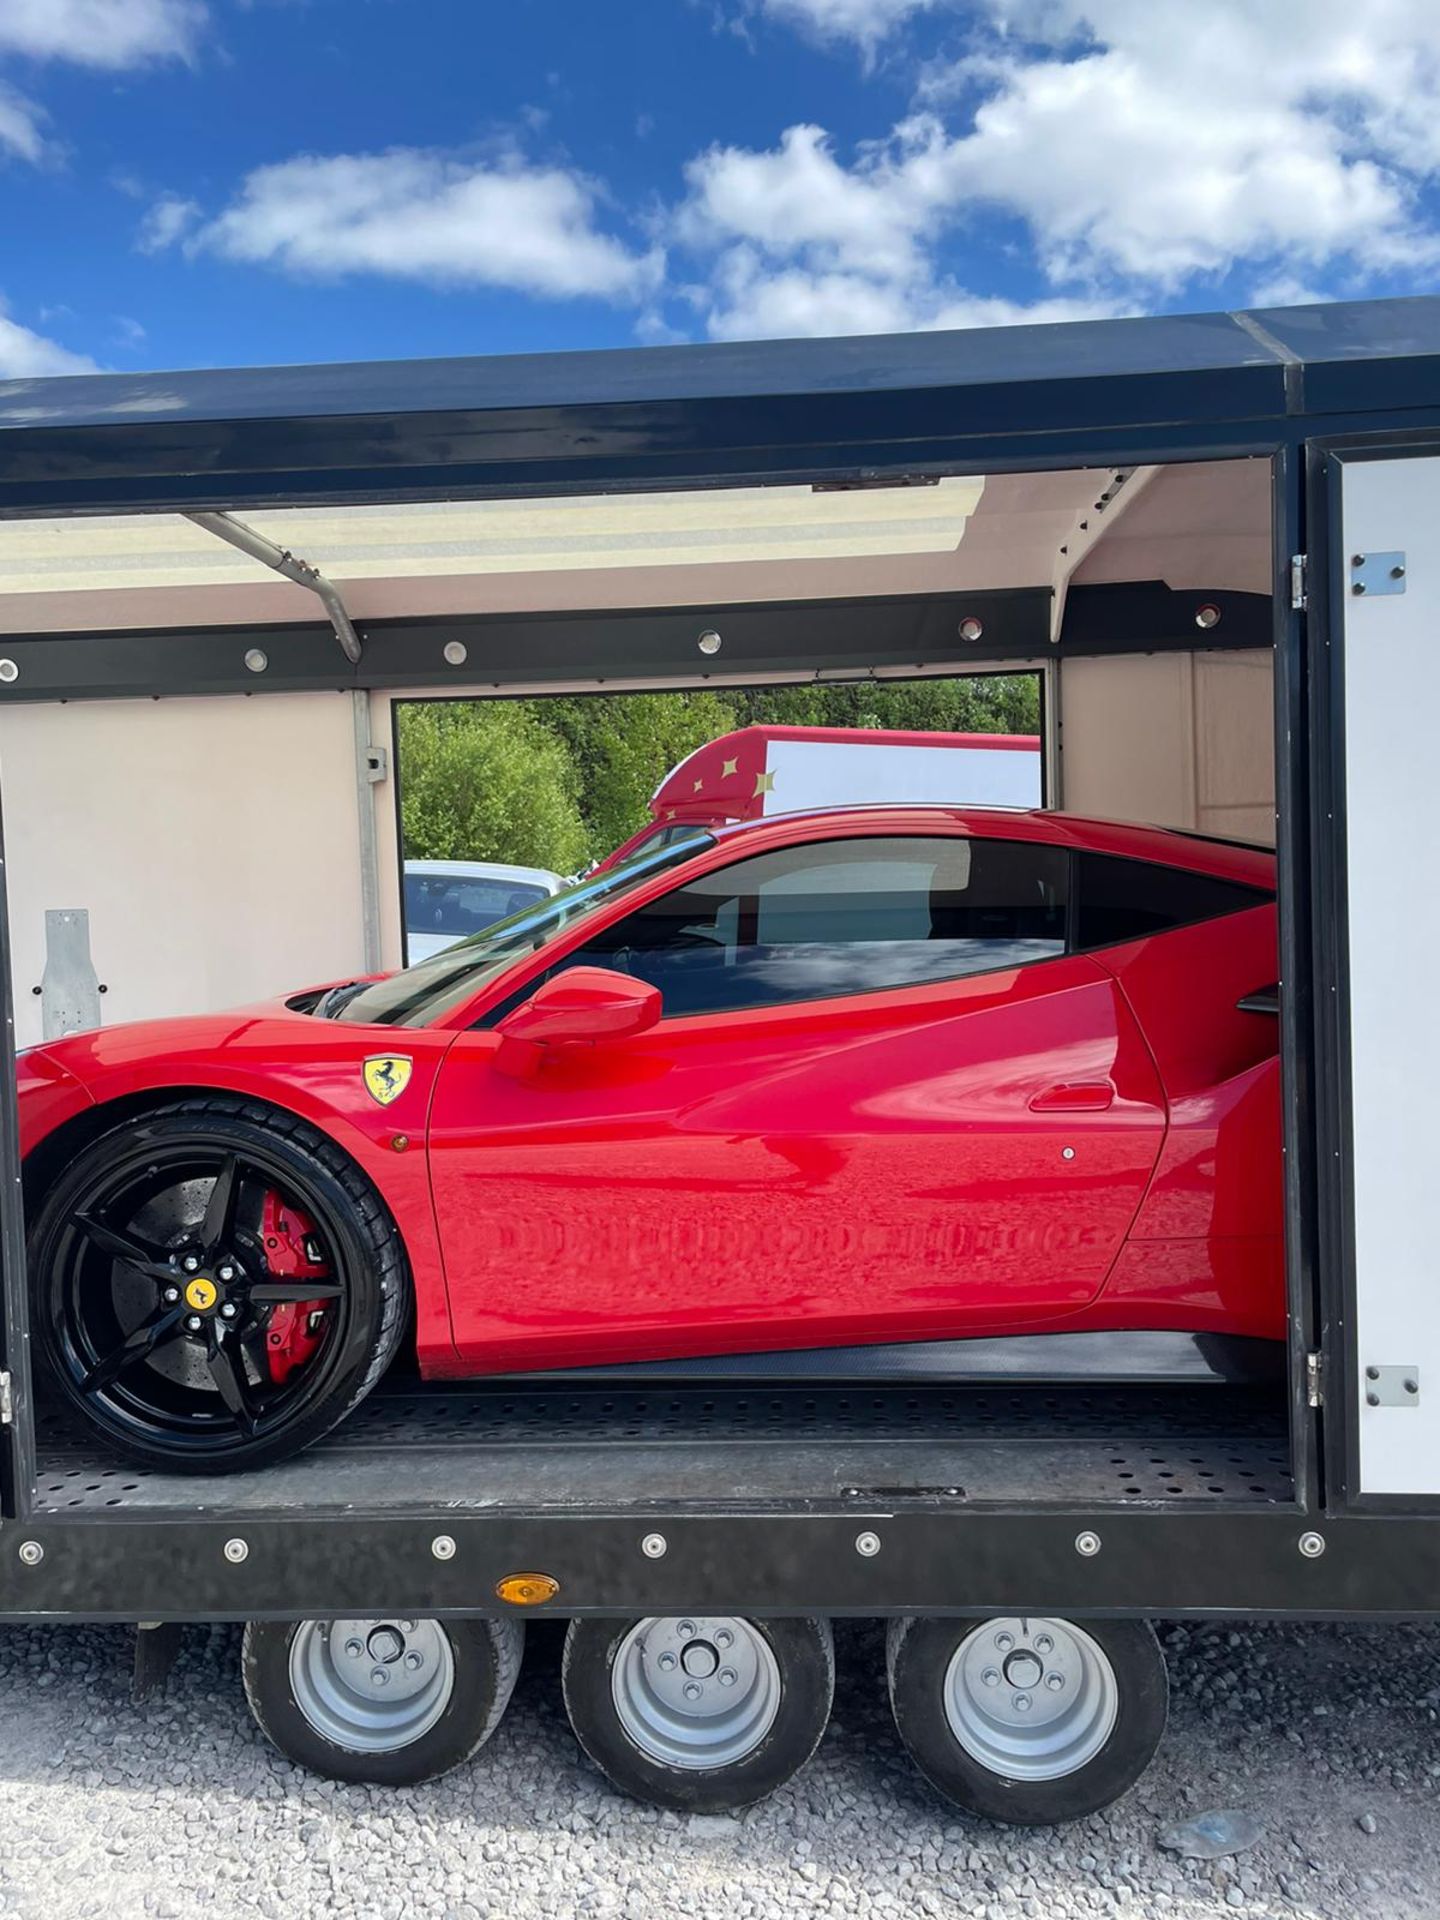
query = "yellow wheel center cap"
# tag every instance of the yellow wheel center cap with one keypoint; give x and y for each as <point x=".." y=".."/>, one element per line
<point x="201" y="1294"/>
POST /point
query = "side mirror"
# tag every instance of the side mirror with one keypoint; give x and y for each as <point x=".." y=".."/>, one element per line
<point x="580" y="1007"/>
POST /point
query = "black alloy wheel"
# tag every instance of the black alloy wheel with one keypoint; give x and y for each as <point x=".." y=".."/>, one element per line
<point x="215" y="1285"/>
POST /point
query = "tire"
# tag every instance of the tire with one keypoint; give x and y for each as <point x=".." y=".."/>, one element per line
<point x="316" y="1700"/>
<point x="1044" y="1765"/>
<point x="630" y="1716"/>
<point x="202" y="1393"/>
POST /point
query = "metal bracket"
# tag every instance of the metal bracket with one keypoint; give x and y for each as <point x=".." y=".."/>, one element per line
<point x="1392" y="1386"/>
<point x="69" y="988"/>
<point x="1373" y="574"/>
<point x="1314" y="1379"/>
<point x="1299" y="596"/>
<point x="7" y="1401"/>
<point x="377" y="764"/>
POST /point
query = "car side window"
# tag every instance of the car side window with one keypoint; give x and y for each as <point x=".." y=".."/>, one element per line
<point x="1118" y="899"/>
<point x="841" y="917"/>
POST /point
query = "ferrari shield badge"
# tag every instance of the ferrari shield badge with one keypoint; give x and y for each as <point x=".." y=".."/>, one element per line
<point x="387" y="1075"/>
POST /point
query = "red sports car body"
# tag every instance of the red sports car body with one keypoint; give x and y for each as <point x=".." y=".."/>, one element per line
<point x="860" y="1078"/>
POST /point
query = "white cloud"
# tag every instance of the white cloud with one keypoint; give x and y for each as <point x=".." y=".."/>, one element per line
<point x="425" y="216"/>
<point x="20" y="126"/>
<point x="866" y="22"/>
<point x="1146" y="147"/>
<point x="799" y="243"/>
<point x="750" y="300"/>
<point x="25" y="355"/>
<point x="113" y="34"/>
<point x="165" y="223"/>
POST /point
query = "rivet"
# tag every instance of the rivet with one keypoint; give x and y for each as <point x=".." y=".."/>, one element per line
<point x="31" y="1553"/>
<point x="1357" y="559"/>
<point x="1067" y="1153"/>
<point x="456" y="653"/>
<point x="867" y="1545"/>
<point x="9" y="672"/>
<point x="443" y="1547"/>
<point x="1397" y="573"/>
<point x="235" y="1551"/>
<point x="400" y="1142"/>
<point x="1087" y="1545"/>
<point x="1359" y="587"/>
<point x="1372" y="1399"/>
<point x="256" y="659"/>
<point x="1372" y="1373"/>
<point x="709" y="641"/>
<point x="654" y="1546"/>
<point x="1312" y="1545"/>
<point x="1412" y="1386"/>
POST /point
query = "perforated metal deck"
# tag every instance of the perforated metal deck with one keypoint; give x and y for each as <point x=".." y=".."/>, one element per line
<point x="554" y="1448"/>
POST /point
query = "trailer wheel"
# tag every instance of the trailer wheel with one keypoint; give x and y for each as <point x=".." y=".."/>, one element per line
<point x="699" y="1713"/>
<point x="1030" y="1721"/>
<point x="392" y="1701"/>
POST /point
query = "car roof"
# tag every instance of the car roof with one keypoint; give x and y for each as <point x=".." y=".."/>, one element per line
<point x="486" y="870"/>
<point x="1235" y="860"/>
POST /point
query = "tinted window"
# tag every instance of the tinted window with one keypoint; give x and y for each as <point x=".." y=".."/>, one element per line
<point x="1128" y="899"/>
<point x="852" y="916"/>
<point x="461" y="904"/>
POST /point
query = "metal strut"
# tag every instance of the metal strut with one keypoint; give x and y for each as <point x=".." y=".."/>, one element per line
<point x="300" y="571"/>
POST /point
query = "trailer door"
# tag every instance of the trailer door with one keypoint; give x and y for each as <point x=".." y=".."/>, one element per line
<point x="1383" y="578"/>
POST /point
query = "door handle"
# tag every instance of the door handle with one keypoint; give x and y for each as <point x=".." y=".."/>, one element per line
<point x="1075" y="1096"/>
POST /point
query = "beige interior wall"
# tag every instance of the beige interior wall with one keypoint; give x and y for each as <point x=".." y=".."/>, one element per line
<point x="1179" y="739"/>
<point x="214" y="843"/>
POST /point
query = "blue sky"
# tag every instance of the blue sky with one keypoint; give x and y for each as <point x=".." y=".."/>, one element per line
<point x="193" y="182"/>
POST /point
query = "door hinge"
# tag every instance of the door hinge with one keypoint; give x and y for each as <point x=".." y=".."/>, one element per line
<point x="1299" y="568"/>
<point x="1314" y="1379"/>
<point x="7" y="1401"/>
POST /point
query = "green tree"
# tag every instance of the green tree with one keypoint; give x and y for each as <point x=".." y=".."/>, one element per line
<point x="485" y="780"/>
<point x="622" y="746"/>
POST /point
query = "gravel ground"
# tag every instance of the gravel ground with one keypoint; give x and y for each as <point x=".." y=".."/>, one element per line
<point x="178" y="1807"/>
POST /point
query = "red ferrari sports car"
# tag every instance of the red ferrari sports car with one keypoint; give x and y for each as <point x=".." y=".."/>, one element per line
<point x="886" y="1090"/>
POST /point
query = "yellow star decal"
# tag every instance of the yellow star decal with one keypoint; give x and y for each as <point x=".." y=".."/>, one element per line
<point x="730" y="766"/>
<point x="698" y="785"/>
<point x="764" y="783"/>
<point x="670" y="813"/>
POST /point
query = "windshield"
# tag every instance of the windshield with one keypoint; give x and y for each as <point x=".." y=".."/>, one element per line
<point x="431" y="989"/>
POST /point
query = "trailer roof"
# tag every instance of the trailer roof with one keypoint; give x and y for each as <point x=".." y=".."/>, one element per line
<point x="700" y="414"/>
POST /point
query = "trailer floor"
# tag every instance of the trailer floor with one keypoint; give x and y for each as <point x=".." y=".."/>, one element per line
<point x="559" y="1448"/>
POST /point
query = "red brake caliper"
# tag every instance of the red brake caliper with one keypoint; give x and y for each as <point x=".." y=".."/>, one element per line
<point x="292" y="1252"/>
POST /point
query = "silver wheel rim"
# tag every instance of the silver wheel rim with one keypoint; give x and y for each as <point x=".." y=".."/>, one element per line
<point x="1031" y="1699"/>
<point x="372" y="1686"/>
<point x="695" y="1691"/>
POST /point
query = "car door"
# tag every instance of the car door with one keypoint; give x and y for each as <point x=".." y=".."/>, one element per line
<point x="884" y="1103"/>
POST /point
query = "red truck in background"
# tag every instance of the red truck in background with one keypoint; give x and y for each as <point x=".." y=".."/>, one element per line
<point x="758" y="771"/>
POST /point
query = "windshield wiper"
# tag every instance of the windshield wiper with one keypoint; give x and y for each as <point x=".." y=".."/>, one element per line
<point x="334" y="998"/>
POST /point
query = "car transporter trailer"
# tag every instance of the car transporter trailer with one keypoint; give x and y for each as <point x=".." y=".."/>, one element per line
<point x="702" y="1533"/>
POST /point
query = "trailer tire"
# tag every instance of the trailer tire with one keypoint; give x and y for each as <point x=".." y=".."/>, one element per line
<point x="313" y="1696"/>
<point x="747" y="1734"/>
<point x="1093" y="1704"/>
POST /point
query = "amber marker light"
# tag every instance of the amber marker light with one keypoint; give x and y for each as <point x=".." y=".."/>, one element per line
<point x="527" y="1589"/>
